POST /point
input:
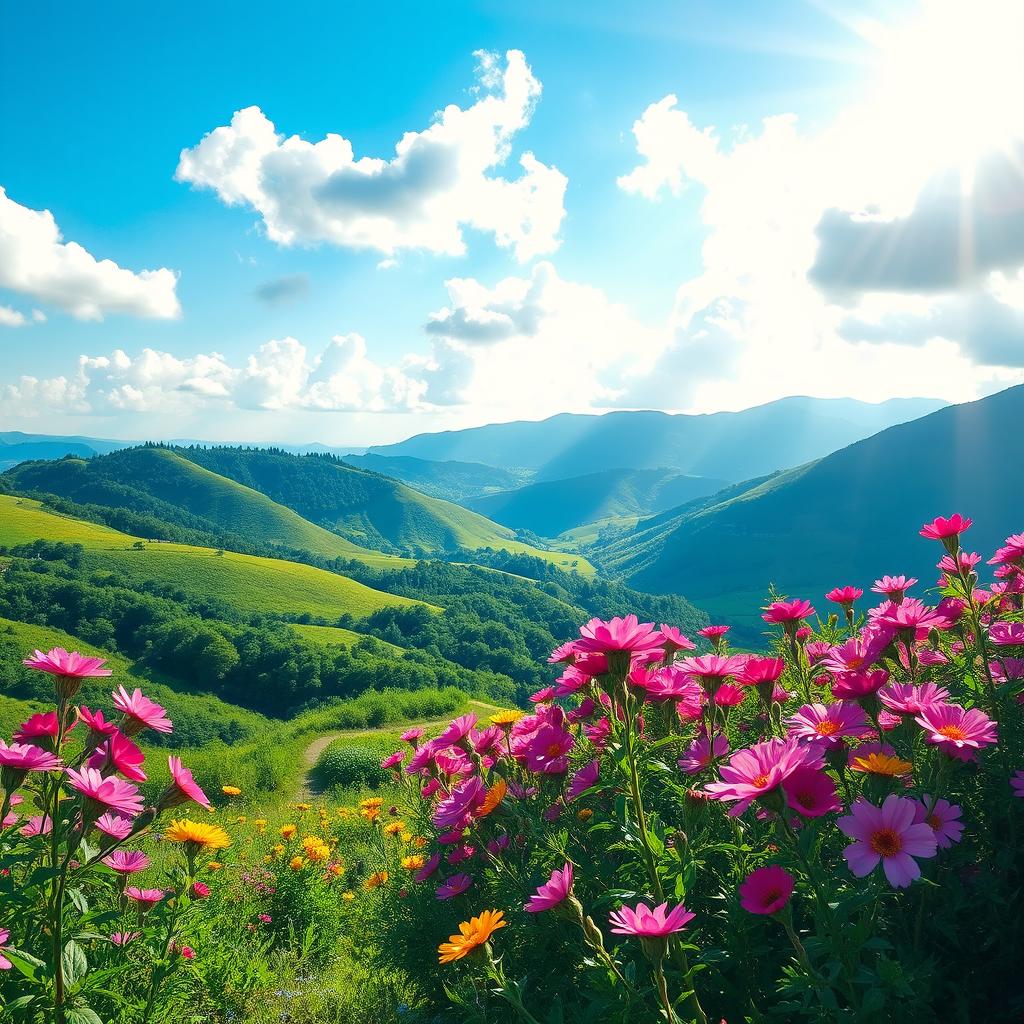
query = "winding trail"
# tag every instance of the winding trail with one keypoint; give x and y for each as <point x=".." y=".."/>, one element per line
<point x="308" y="787"/>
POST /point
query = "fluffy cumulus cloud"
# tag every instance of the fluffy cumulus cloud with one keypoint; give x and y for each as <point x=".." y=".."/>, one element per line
<point x="867" y="258"/>
<point x="447" y="177"/>
<point x="281" y="375"/>
<point x="35" y="261"/>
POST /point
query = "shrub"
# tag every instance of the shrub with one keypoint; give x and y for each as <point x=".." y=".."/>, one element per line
<point x="345" y="764"/>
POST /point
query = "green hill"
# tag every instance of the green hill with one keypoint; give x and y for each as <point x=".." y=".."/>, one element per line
<point x="553" y="507"/>
<point x="847" y="518"/>
<point x="249" y="583"/>
<point x="451" y="480"/>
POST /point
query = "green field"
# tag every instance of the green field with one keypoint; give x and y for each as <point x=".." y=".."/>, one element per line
<point x="335" y="636"/>
<point x="249" y="583"/>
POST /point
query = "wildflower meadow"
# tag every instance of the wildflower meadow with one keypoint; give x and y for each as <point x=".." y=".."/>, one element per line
<point x="826" y="829"/>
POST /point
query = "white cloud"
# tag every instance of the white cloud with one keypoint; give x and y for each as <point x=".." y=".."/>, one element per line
<point x="10" y="317"/>
<point x="35" y="261"/>
<point x="440" y="180"/>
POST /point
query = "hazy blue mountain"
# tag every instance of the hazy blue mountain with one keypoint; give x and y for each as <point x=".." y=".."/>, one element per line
<point x="453" y="481"/>
<point x="551" y="507"/>
<point x="727" y="445"/>
<point x="16" y="447"/>
<point x="847" y="518"/>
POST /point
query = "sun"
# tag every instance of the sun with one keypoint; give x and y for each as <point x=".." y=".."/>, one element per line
<point x="950" y="81"/>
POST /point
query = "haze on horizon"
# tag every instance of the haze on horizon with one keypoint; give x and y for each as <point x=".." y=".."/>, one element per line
<point x="698" y="210"/>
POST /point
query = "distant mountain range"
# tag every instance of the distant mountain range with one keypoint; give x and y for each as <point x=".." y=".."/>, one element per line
<point x="846" y="518"/>
<point x="729" y="446"/>
<point x="17" y="447"/>
<point x="454" y="481"/>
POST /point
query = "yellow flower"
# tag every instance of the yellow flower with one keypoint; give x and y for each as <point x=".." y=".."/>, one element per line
<point x="472" y="933"/>
<point x="287" y="831"/>
<point x="197" y="835"/>
<point x="373" y="801"/>
<point x="316" y="849"/>
<point x="370" y="813"/>
<point x="241" y="819"/>
<point x="230" y="790"/>
<point x="881" y="764"/>
<point x="335" y="869"/>
<point x="348" y="896"/>
<point x="406" y="837"/>
<point x="414" y="862"/>
<point x="277" y="849"/>
<point x="215" y="865"/>
<point x="296" y="863"/>
<point x="393" y="828"/>
<point x="419" y="842"/>
<point x="584" y="814"/>
<point x="303" y="807"/>
<point x="376" y="879"/>
<point x="507" y="718"/>
<point x="260" y="823"/>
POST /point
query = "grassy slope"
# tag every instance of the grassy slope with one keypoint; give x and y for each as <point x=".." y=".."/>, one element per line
<point x="335" y="636"/>
<point x="250" y="583"/>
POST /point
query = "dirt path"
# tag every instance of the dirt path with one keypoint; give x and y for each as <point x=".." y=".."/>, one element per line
<point x="308" y="788"/>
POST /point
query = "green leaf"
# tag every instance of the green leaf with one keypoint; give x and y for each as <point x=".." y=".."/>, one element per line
<point x="79" y="900"/>
<point x="82" y="1015"/>
<point x="25" y="963"/>
<point x="74" y="963"/>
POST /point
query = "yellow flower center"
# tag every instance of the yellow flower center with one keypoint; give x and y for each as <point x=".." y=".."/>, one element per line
<point x="887" y="842"/>
<point x="760" y="781"/>
<point x="827" y="728"/>
<point x="953" y="732"/>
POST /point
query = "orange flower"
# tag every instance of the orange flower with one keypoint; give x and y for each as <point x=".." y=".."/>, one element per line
<point x="493" y="798"/>
<point x="880" y="764"/>
<point x="414" y="862"/>
<point x="584" y="814"/>
<point x="378" y="878"/>
<point x="287" y="831"/>
<point x="230" y="790"/>
<point x="370" y="813"/>
<point x="394" y="827"/>
<point x="472" y="933"/>
<point x="296" y="863"/>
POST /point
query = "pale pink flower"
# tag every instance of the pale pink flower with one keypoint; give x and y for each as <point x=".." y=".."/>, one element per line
<point x="647" y="923"/>
<point x="127" y="862"/>
<point x="887" y="834"/>
<point x="110" y="793"/>
<point x="139" y="712"/>
<point x="124" y="938"/>
<point x="710" y="669"/>
<point x="828" y="723"/>
<point x="943" y="818"/>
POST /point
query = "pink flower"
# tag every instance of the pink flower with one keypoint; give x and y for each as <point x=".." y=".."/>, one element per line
<point x="1006" y="669"/>
<point x="648" y="923"/>
<point x="187" y="952"/>
<point x="787" y="612"/>
<point x="428" y="869"/>
<point x="673" y="682"/>
<point x="911" y="616"/>
<point x="59" y="662"/>
<point x="548" y="750"/>
<point x="460" y="853"/>
<point x="583" y="780"/>
<point x="41" y="726"/>
<point x="144" y="897"/>
<point x="761" y="670"/>
<point x="411" y="735"/>
<point x="1017" y="784"/>
<point x="729" y="696"/>
<point x="598" y="733"/>
<point x="911" y="700"/>
<point x="828" y="723"/>
<point x="102" y="794"/>
<point x="393" y="759"/>
<point x="182" y="788"/>
<point x="627" y="634"/>
<point x="944" y="529"/>
<point x="962" y="560"/>
<point x="544" y="696"/>
<point x="674" y="640"/>
<point x="457" y="730"/>
<point x="5" y="934"/>
<point x="756" y="771"/>
<point x="264" y="918"/>
<point x="888" y="834"/>
<point x="955" y="729"/>
<point x="894" y="587"/>
<point x="701" y="752"/>
<point x="1012" y="554"/>
<point x="457" y="808"/>
<point x="859" y="684"/>
<point x="98" y="726"/>
<point x="564" y="652"/>
<point x="455" y="886"/>
<point x="114" y="826"/>
<point x="21" y="758"/>
<point x="713" y="632"/>
<point x="422" y="760"/>
<point x="766" y="890"/>
<point x="37" y="825"/>
<point x="552" y="892"/>
<point x="710" y="669"/>
<point x="127" y="862"/>
<point x="200" y="890"/>
<point x="943" y="818"/>
<point x="854" y="654"/>
<point x="118" y="752"/>
<point x="1006" y="633"/>
<point x="123" y="938"/>
<point x="811" y="792"/>
<point x="570" y="681"/>
<point x="844" y="596"/>
<point x="140" y="712"/>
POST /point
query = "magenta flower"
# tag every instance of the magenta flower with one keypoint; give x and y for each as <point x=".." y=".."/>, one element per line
<point x="182" y="788"/>
<point x="200" y="890"/>
<point x="423" y="759"/>
<point x="766" y="890"/>
<point x="583" y="780"/>
<point x="673" y="682"/>
<point x="911" y="700"/>
<point x="894" y="587"/>
<point x="114" y="826"/>
<point x="859" y="684"/>
<point x="548" y="750"/>
<point x="626" y="634"/>
<point x="552" y="892"/>
<point x="955" y="730"/>
<point x="457" y="808"/>
<point x="543" y="696"/>
<point x="888" y="834"/>
<point x="811" y="792"/>
<point x="392" y="760"/>
<point x="69" y="667"/>
<point x="701" y="752"/>
<point x="1017" y="784"/>
<point x="18" y="759"/>
<point x="788" y="612"/>
<point x="139" y="712"/>
<point x="599" y="732"/>
<point x="564" y="652"/>
<point x="428" y="869"/>
<point x="457" y="730"/>
<point x="756" y="771"/>
<point x="118" y="752"/>
<point x="127" y="862"/>
<point x="729" y="696"/>
<point x="1005" y="634"/>
<point x="647" y="923"/>
<point x="103" y="794"/>
<point x="713" y="632"/>
<point x="911" y="617"/>
<point x="758" y="671"/>
<point x="945" y="529"/>
<point x="5" y="935"/>
<point x="124" y="938"/>
<point x="943" y="818"/>
<point x="98" y="725"/>
<point x="674" y="640"/>
<point x="844" y="596"/>
<point x="41" y="726"/>
<point x="412" y="735"/>
<point x="144" y="897"/>
<point x="711" y="669"/>
<point x="455" y="886"/>
<point x="828" y="723"/>
<point x="855" y="654"/>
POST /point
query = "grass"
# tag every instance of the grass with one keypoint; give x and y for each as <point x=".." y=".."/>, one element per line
<point x="335" y="636"/>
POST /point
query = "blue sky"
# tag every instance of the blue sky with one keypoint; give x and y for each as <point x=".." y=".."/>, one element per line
<point x="692" y="284"/>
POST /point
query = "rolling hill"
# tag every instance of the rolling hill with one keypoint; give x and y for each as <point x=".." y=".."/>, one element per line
<point x="453" y="481"/>
<point x="847" y="518"/>
<point x="249" y="583"/>
<point x="727" y="445"/>
<point x="553" y="507"/>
